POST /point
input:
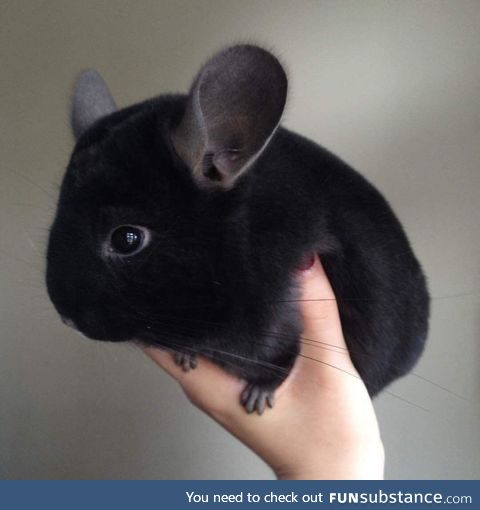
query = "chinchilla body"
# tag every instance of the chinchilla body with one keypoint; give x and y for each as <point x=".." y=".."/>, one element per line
<point x="182" y="222"/>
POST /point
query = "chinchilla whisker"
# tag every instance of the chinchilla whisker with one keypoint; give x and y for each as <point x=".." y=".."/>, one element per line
<point x="433" y="383"/>
<point x="388" y="392"/>
<point x="266" y="332"/>
<point x="433" y="298"/>
<point x="228" y="353"/>
<point x="314" y="343"/>
<point x="43" y="208"/>
<point x="343" y="350"/>
<point x="259" y="362"/>
<point x="22" y="261"/>
<point x="30" y="242"/>
<point x="330" y="365"/>
<point x="195" y="351"/>
<point x="237" y="356"/>
<point x="250" y="360"/>
<point x="312" y="300"/>
<point x="325" y="345"/>
<point x="359" y="378"/>
<point x="32" y="183"/>
<point x="454" y="296"/>
<point x="286" y="371"/>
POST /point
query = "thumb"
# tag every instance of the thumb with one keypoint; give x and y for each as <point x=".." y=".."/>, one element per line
<point x="323" y="348"/>
<point x="318" y="305"/>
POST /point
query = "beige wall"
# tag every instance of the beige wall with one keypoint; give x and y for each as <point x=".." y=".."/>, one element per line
<point x="392" y="87"/>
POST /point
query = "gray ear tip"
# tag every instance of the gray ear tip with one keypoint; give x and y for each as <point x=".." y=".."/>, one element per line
<point x="89" y="78"/>
<point x="86" y="74"/>
<point x="91" y="100"/>
<point x="247" y="57"/>
<point x="249" y="49"/>
<point x="253" y="52"/>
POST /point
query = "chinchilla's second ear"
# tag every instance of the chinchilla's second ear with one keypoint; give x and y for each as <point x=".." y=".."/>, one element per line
<point x="91" y="101"/>
<point x="234" y="106"/>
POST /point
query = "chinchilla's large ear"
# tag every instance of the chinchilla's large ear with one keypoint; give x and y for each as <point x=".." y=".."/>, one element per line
<point x="233" y="109"/>
<point x="91" y="101"/>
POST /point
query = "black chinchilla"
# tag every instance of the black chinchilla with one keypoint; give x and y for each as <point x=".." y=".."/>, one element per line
<point x="182" y="220"/>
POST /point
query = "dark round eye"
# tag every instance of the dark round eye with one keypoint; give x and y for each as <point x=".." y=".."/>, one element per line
<point x="128" y="239"/>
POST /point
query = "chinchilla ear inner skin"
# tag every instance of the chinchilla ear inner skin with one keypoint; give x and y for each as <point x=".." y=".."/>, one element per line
<point x="233" y="108"/>
<point x="231" y="204"/>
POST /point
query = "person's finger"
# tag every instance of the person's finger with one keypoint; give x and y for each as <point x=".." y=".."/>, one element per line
<point x="318" y="304"/>
<point x="323" y="350"/>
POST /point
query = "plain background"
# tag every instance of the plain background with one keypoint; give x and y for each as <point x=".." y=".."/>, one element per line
<point x="392" y="87"/>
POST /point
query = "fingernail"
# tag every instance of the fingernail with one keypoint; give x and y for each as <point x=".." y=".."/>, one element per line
<point x="307" y="262"/>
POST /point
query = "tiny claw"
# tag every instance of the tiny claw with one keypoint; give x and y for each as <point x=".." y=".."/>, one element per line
<point x="261" y="404"/>
<point x="255" y="398"/>
<point x="271" y="400"/>
<point x="186" y="361"/>
<point x="244" y="395"/>
<point x="251" y="403"/>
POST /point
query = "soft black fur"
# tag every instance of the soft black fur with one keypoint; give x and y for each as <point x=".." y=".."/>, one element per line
<point x="218" y="277"/>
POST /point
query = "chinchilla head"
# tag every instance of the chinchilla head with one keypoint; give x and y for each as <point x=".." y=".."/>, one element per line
<point x="152" y="219"/>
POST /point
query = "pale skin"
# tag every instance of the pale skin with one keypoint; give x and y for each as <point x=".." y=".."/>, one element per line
<point x="323" y="425"/>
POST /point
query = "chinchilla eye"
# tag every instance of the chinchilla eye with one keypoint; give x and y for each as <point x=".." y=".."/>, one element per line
<point x="128" y="239"/>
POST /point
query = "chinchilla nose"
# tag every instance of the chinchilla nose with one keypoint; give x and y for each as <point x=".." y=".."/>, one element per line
<point x="68" y="322"/>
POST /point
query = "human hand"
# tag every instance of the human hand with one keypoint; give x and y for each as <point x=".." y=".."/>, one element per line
<point x="323" y="425"/>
